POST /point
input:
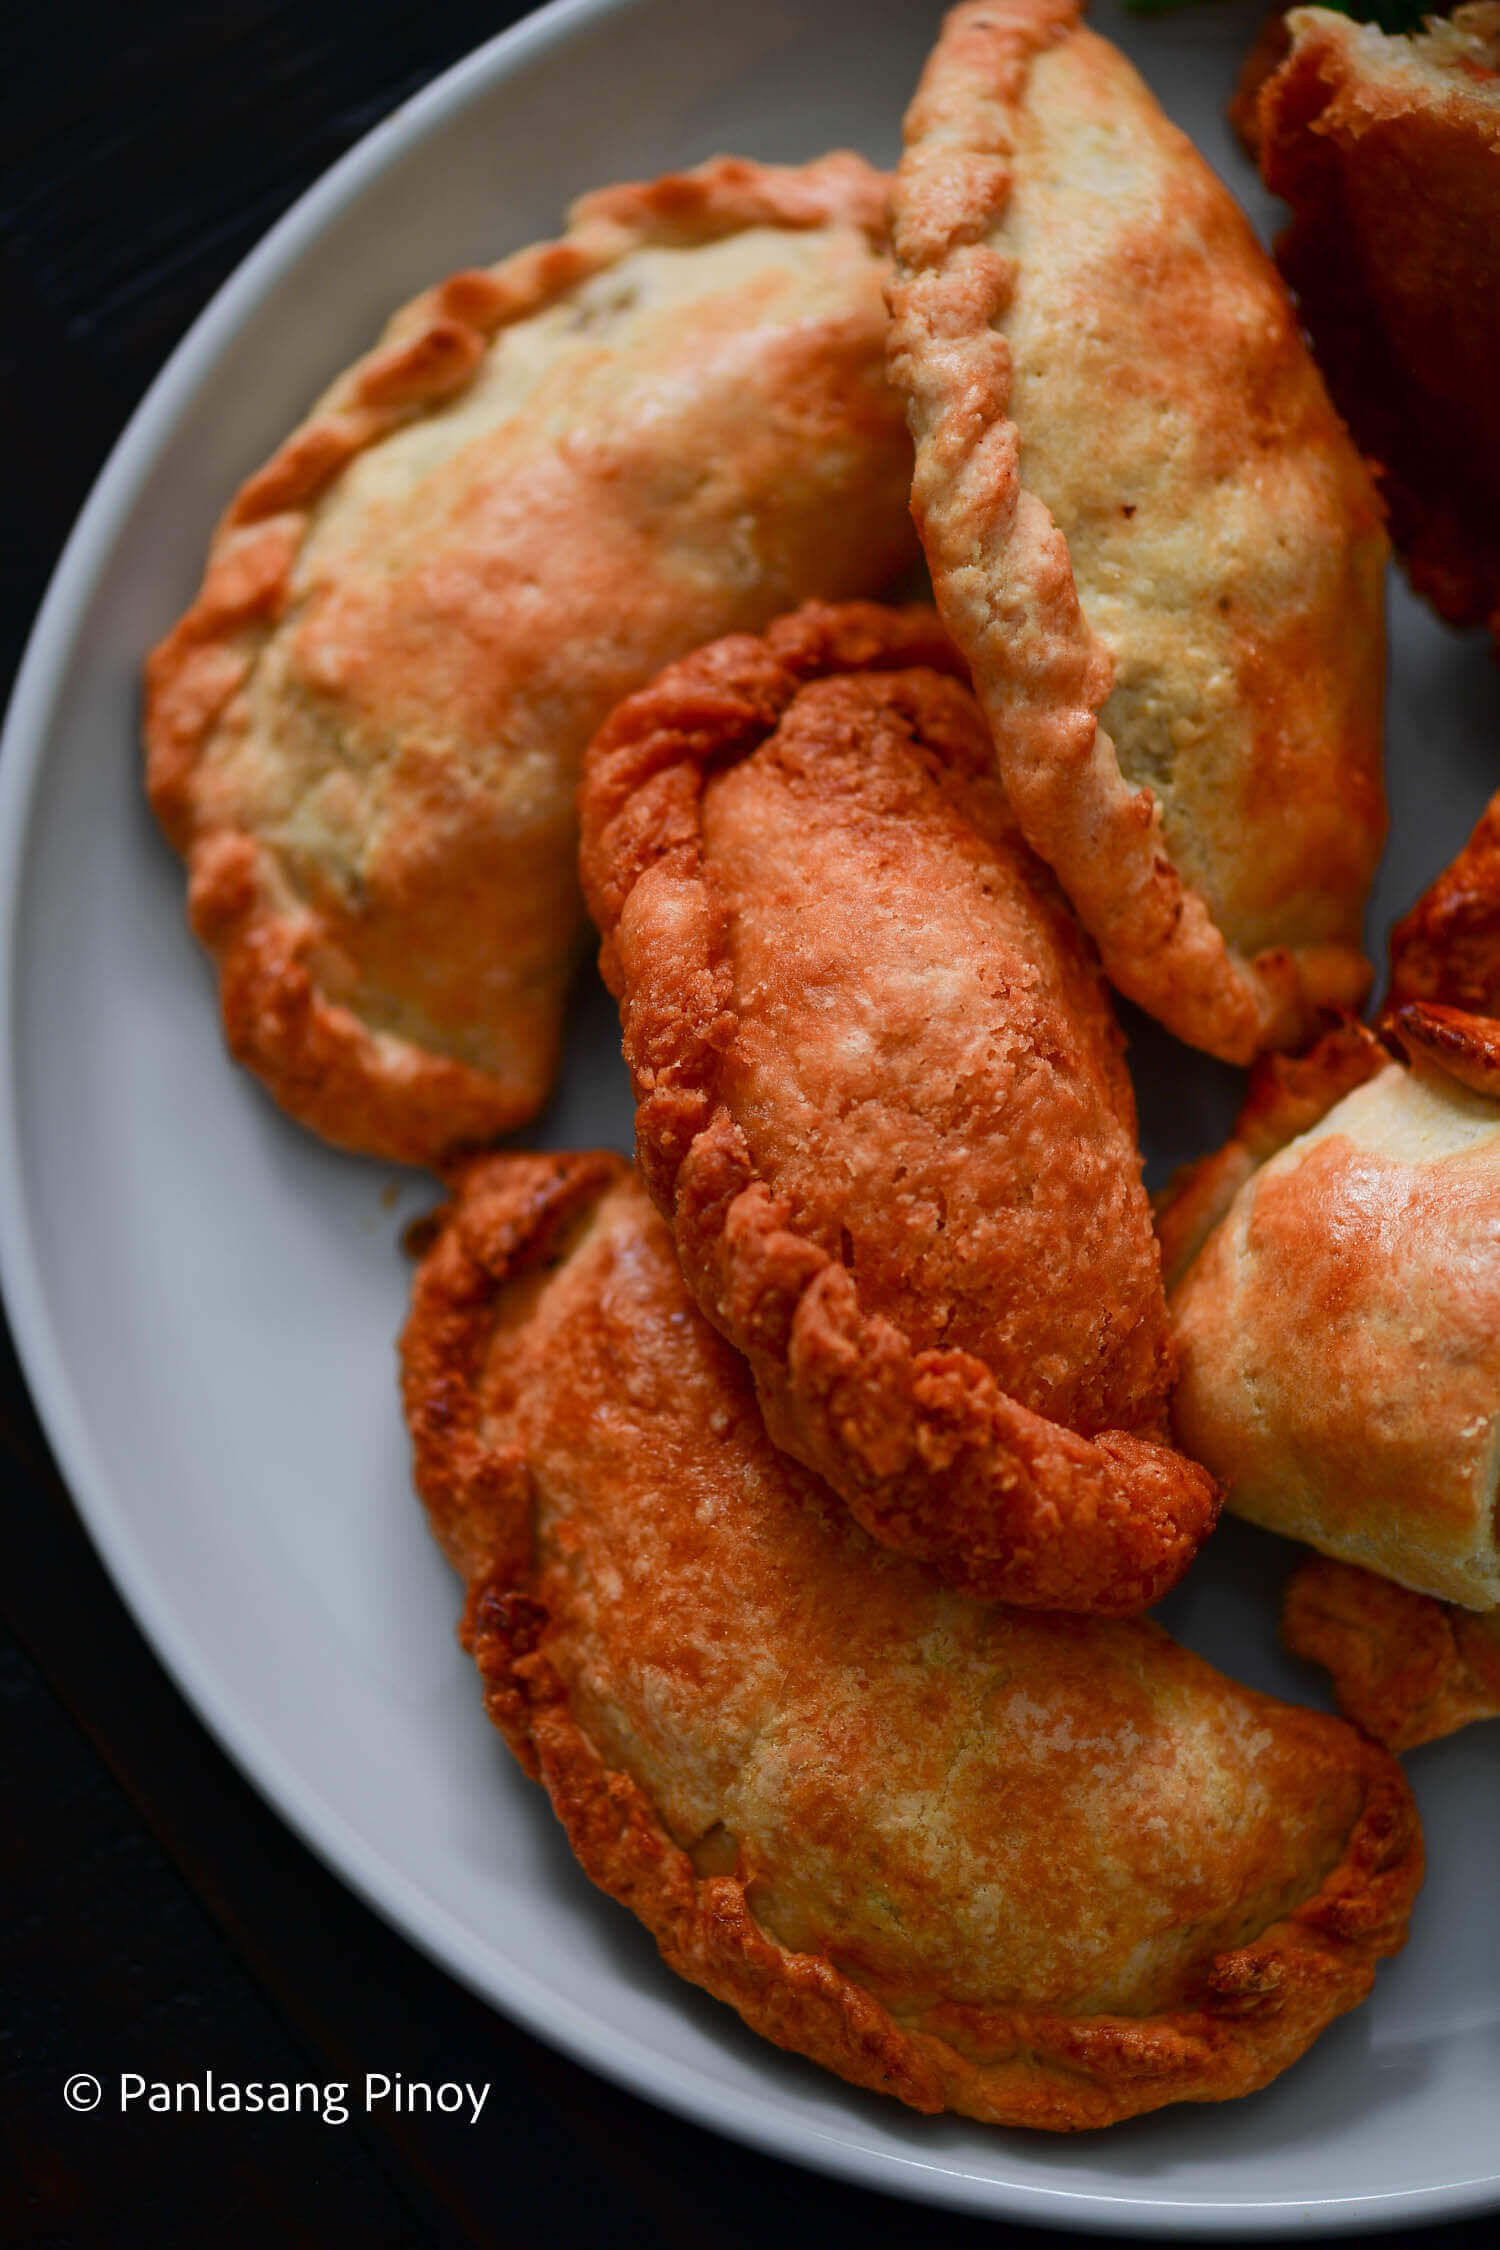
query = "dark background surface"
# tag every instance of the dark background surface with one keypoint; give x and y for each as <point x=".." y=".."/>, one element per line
<point x="156" y="1916"/>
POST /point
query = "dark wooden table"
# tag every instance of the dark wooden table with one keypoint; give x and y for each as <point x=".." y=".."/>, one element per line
<point x="157" y="1917"/>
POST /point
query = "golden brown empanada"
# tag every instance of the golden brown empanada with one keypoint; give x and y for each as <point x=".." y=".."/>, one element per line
<point x="1405" y="1667"/>
<point x="1147" y="529"/>
<point x="1339" y="1330"/>
<point x="1044" y="1871"/>
<point x="547" y="480"/>
<point x="882" y="1097"/>
<point x="1388" y="151"/>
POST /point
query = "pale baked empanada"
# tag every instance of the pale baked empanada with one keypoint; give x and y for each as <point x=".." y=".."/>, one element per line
<point x="1339" y="1331"/>
<point x="1404" y="1667"/>
<point x="1045" y="1871"/>
<point x="1388" y="151"/>
<point x="1147" y="529"/>
<point x="882" y="1097"/>
<point x="547" y="480"/>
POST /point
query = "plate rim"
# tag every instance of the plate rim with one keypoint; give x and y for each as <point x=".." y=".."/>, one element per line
<point x="623" y="2057"/>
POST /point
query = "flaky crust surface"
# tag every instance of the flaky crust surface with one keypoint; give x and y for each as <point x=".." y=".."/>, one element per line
<point x="1172" y="608"/>
<point x="1404" y="1667"/>
<point x="1043" y="1871"/>
<point x="1388" y="151"/>
<point x="882" y="1098"/>
<point x="1339" y="1331"/>
<point x="548" y="478"/>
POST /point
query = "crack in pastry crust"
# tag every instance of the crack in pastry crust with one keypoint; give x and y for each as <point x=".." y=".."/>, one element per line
<point x="1404" y="1667"/>
<point x="1265" y="692"/>
<point x="713" y="1674"/>
<point x="365" y="740"/>
<point x="891" y="1299"/>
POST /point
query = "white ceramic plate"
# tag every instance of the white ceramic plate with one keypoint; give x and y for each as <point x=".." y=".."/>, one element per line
<point x="206" y="1301"/>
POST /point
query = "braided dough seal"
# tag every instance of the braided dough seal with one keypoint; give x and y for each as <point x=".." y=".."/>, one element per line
<point x="547" y="479"/>
<point x="882" y="1098"/>
<point x="1147" y="530"/>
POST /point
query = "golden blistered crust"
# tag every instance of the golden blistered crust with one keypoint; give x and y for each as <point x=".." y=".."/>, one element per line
<point x="1093" y="1877"/>
<point x="1388" y="151"/>
<point x="1287" y="1095"/>
<point x="364" y="735"/>
<point x="1404" y="1667"/>
<point x="1338" y="1332"/>
<point x="1447" y="948"/>
<point x="882" y="1098"/>
<point x="1172" y="611"/>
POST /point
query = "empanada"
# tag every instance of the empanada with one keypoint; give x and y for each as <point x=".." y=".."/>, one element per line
<point x="1388" y="151"/>
<point x="547" y="480"/>
<point x="1339" y="1331"/>
<point x="1044" y="1871"/>
<point x="1147" y="529"/>
<point x="882" y="1097"/>
<point x="1404" y="1667"/>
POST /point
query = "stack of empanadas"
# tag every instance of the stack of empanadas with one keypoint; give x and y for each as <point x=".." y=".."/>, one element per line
<point x="741" y="1451"/>
<point x="1041" y="1870"/>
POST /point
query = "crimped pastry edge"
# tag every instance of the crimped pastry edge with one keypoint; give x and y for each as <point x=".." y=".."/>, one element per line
<point x="1156" y="934"/>
<point x="1107" y="1524"/>
<point x="1405" y="1667"/>
<point x="372" y="1091"/>
<point x="1262" y="2003"/>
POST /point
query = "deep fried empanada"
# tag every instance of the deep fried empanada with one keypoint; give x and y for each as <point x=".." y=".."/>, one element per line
<point x="1045" y="1871"/>
<point x="1404" y="1667"/>
<point x="1339" y="1330"/>
<point x="1388" y="151"/>
<point x="547" y="480"/>
<point x="1147" y="529"/>
<point x="882" y="1097"/>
